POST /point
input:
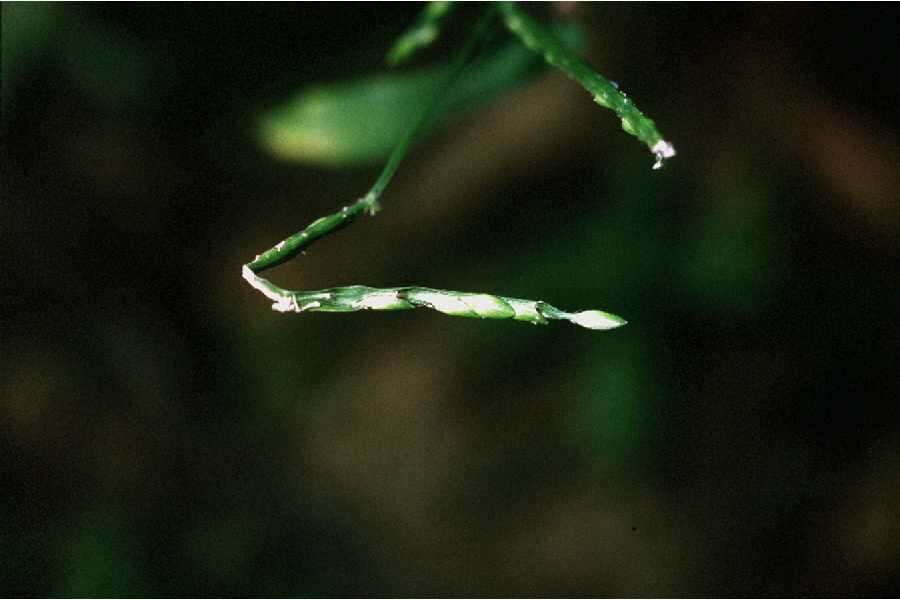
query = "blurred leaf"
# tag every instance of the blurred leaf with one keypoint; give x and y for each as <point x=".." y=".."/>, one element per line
<point x="223" y="544"/>
<point x="100" y="561"/>
<point x="614" y="229"/>
<point x="730" y="261"/>
<point x="616" y="396"/>
<point x="359" y="121"/>
<point x="109" y="66"/>
<point x="347" y="123"/>
<point x="27" y="29"/>
<point x="420" y="34"/>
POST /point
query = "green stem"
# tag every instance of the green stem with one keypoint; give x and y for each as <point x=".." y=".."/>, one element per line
<point x="538" y="38"/>
<point x="456" y="68"/>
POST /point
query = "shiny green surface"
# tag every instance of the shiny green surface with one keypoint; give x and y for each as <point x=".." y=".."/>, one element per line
<point x="455" y="304"/>
<point x="536" y="37"/>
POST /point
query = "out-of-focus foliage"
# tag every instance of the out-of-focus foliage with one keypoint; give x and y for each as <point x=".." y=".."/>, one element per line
<point x="100" y="560"/>
<point x="108" y="66"/>
<point x="617" y="397"/>
<point x="342" y="124"/>
<point x="27" y="30"/>
<point x="422" y="33"/>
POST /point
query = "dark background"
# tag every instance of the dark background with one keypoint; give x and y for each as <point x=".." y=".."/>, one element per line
<point x="165" y="433"/>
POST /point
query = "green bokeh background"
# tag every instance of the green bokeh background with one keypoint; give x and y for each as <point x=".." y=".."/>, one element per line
<point x="165" y="433"/>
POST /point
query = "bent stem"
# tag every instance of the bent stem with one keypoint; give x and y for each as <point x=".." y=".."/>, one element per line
<point x="358" y="297"/>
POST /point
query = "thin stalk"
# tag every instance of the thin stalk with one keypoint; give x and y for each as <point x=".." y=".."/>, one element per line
<point x="457" y="66"/>
<point x="540" y="39"/>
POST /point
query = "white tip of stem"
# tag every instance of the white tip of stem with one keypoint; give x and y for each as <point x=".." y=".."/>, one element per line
<point x="597" y="319"/>
<point x="662" y="150"/>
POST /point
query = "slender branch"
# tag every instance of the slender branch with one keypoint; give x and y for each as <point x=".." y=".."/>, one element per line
<point x="471" y="44"/>
<point x="538" y="38"/>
